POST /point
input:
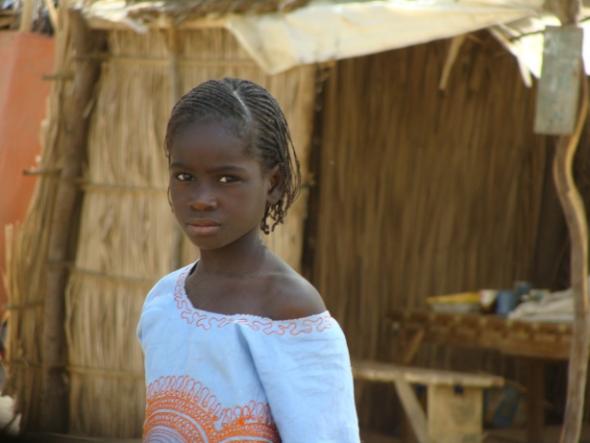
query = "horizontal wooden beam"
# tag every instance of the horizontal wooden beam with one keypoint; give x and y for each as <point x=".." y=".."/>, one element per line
<point x="391" y="373"/>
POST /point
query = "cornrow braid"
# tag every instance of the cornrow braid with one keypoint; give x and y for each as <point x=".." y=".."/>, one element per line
<point x="252" y="114"/>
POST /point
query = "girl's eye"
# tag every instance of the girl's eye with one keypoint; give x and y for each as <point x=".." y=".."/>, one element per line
<point x="227" y="179"/>
<point x="183" y="177"/>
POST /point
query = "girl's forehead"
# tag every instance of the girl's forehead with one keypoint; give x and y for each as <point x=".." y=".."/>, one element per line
<point x="208" y="141"/>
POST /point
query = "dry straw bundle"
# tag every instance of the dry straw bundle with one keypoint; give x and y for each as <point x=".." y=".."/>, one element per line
<point x="128" y="237"/>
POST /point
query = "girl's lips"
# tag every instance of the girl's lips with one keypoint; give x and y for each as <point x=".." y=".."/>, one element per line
<point x="203" y="228"/>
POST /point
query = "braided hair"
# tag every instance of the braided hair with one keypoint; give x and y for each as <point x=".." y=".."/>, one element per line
<point x="252" y="114"/>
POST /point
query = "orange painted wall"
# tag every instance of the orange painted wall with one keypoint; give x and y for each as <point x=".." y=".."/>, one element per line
<point x="24" y="59"/>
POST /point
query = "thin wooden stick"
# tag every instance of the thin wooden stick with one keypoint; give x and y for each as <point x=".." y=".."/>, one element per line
<point x="413" y="347"/>
<point x="173" y="63"/>
<point x="26" y="16"/>
<point x="175" y="92"/>
<point x="52" y="11"/>
<point x="573" y="208"/>
<point x="454" y="49"/>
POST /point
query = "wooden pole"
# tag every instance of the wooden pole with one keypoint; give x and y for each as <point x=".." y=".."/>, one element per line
<point x="575" y="215"/>
<point x="568" y="12"/>
<point x="71" y="140"/>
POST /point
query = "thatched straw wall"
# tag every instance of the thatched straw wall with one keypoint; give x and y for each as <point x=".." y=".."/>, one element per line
<point x="423" y="192"/>
<point x="128" y="237"/>
<point x="436" y="192"/>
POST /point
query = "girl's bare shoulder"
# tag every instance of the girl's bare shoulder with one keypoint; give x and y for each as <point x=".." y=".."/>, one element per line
<point x="290" y="295"/>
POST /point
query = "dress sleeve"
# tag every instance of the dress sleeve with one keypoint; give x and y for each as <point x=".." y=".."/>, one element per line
<point x="307" y="378"/>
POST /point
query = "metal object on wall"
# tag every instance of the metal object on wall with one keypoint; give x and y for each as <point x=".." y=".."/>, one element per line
<point x="557" y="99"/>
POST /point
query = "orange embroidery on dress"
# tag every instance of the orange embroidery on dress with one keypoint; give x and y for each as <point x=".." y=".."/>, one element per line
<point x="207" y="320"/>
<point x="181" y="409"/>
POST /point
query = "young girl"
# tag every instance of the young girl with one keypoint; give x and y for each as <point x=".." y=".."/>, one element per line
<point x="238" y="346"/>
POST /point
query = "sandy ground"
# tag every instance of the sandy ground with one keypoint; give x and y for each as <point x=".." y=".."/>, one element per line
<point x="503" y="436"/>
<point x="506" y="436"/>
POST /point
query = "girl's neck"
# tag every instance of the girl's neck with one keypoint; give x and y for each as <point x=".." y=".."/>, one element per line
<point x="242" y="257"/>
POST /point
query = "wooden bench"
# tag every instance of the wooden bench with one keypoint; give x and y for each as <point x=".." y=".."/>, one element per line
<point x="454" y="399"/>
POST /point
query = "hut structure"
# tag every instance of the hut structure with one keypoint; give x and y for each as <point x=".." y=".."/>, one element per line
<point x="410" y="190"/>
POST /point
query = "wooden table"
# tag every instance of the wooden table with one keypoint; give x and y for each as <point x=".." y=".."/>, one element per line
<point x="537" y="341"/>
<point x="454" y="410"/>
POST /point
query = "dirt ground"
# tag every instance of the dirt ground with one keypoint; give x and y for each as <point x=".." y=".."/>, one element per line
<point x="503" y="436"/>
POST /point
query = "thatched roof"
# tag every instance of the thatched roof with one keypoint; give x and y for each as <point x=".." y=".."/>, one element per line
<point x="316" y="31"/>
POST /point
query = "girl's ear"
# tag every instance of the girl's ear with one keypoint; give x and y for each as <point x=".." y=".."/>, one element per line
<point x="275" y="185"/>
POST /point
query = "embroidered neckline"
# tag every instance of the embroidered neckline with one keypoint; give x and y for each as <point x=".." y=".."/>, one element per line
<point x="207" y="319"/>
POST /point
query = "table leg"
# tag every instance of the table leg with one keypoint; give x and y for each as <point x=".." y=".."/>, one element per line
<point x="455" y="414"/>
<point x="407" y="434"/>
<point x="413" y="411"/>
<point x="535" y="401"/>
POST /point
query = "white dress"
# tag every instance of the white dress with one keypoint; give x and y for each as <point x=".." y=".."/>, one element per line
<point x="214" y="378"/>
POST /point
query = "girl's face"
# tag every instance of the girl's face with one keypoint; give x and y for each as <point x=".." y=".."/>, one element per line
<point x="218" y="190"/>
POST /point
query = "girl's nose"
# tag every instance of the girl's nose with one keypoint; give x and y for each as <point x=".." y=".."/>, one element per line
<point x="203" y="202"/>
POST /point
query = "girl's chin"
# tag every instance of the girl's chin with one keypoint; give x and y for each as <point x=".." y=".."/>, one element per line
<point x="207" y="244"/>
<point x="214" y="241"/>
